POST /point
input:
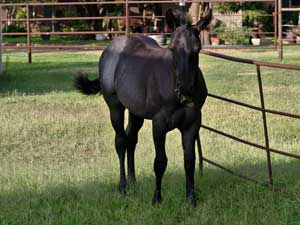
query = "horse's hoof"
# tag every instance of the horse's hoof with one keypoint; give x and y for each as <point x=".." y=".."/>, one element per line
<point x="122" y="191"/>
<point x="157" y="199"/>
<point x="191" y="200"/>
<point x="131" y="180"/>
<point x="122" y="188"/>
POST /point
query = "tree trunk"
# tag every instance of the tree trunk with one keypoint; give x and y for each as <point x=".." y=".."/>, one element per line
<point x="205" y="40"/>
<point x="10" y="14"/>
<point x="196" y="11"/>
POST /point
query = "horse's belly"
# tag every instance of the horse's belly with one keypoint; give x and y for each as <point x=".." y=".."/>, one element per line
<point x="138" y="104"/>
<point x="139" y="96"/>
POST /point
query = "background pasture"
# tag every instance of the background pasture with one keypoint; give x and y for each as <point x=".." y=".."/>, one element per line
<point x="58" y="164"/>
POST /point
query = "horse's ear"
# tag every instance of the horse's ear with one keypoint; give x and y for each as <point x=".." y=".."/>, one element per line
<point x="204" y="21"/>
<point x="170" y="20"/>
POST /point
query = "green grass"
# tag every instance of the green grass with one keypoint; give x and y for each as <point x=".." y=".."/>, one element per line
<point x="58" y="164"/>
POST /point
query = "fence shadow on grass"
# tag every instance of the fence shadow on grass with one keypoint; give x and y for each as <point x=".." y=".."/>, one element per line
<point x="96" y="202"/>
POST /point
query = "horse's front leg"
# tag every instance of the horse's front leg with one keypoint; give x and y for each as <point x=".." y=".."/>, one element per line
<point x="188" y="141"/>
<point x="159" y="129"/>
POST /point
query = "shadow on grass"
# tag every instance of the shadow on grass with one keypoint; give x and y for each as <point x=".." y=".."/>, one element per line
<point x="43" y="77"/>
<point x="222" y="199"/>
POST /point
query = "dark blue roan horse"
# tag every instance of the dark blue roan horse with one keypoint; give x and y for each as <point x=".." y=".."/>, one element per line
<point x="164" y="85"/>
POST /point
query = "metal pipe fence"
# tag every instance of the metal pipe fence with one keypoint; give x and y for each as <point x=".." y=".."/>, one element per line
<point x="280" y="12"/>
<point x="28" y="21"/>
<point x="266" y="147"/>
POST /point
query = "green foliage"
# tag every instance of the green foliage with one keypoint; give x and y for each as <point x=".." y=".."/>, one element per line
<point x="20" y="14"/>
<point x="113" y="9"/>
<point x="55" y="40"/>
<point x="229" y="7"/>
<point x="218" y="28"/>
<point x="14" y="28"/>
<point x="27" y="1"/>
<point x="235" y="35"/>
<point x="290" y="16"/>
<point x="44" y="28"/>
<point x="75" y="25"/>
<point x="254" y="12"/>
<point x="17" y="27"/>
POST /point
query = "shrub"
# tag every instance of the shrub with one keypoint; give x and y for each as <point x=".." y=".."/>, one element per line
<point x="17" y="27"/>
<point x="235" y="35"/>
<point x="75" y="25"/>
<point x="45" y="28"/>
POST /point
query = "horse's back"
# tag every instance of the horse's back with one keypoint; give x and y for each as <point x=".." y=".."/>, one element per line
<point x="116" y="50"/>
<point x="134" y="68"/>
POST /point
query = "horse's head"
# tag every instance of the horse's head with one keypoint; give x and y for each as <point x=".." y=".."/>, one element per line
<point x="186" y="37"/>
<point x="185" y="46"/>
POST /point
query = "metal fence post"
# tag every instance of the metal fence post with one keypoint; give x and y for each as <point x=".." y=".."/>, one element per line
<point x="1" y="69"/>
<point x="127" y="14"/>
<point x="262" y="101"/>
<point x="200" y="153"/>
<point x="28" y="33"/>
<point x="276" y="25"/>
<point x="280" y="49"/>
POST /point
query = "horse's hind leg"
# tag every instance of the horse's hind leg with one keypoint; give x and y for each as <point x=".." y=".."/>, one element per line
<point x="117" y="120"/>
<point x="134" y="125"/>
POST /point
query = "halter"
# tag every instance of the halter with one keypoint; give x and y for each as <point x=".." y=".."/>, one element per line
<point x="183" y="99"/>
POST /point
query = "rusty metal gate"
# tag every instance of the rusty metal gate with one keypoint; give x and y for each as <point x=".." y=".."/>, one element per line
<point x="266" y="147"/>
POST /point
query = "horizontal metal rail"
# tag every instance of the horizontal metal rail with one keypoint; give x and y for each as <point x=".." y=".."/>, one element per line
<point x="280" y="190"/>
<point x="235" y="102"/>
<point x="250" y="143"/>
<point x="125" y="17"/>
<point x="24" y="46"/>
<point x="254" y="107"/>
<point x="62" y="3"/>
<point x="65" y="18"/>
<point x="232" y="172"/>
<point x="123" y="2"/>
<point x="250" y="61"/>
<point x="290" y="9"/>
<point x="66" y="33"/>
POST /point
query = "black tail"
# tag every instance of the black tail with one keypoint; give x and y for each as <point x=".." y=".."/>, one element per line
<point x="86" y="86"/>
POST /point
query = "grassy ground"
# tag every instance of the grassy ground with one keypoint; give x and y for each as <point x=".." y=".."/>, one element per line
<point x="58" y="164"/>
